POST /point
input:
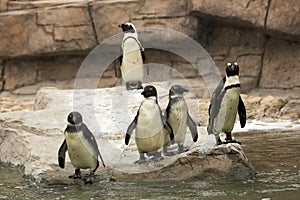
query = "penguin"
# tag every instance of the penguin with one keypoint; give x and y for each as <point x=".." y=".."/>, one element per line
<point x="226" y="102"/>
<point x="132" y="58"/>
<point x="178" y="117"/>
<point x="149" y="126"/>
<point x="81" y="146"/>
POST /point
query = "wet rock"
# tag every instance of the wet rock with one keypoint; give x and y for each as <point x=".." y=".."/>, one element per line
<point x="32" y="139"/>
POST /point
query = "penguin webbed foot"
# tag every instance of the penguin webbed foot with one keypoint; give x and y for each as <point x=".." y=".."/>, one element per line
<point x="181" y="149"/>
<point x="156" y="156"/>
<point x="229" y="139"/>
<point x="89" y="179"/>
<point x="77" y="174"/>
<point x="168" y="153"/>
<point x="232" y="141"/>
<point x="134" y="86"/>
<point x="141" y="160"/>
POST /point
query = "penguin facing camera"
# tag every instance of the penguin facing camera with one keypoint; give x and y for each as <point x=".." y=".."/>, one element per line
<point x="81" y="146"/>
<point x="178" y="117"/>
<point x="132" y="58"/>
<point x="226" y="102"/>
<point x="150" y="129"/>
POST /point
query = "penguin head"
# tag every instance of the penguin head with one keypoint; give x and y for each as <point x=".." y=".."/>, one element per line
<point x="232" y="69"/>
<point x="75" y="118"/>
<point x="128" y="27"/>
<point x="177" y="90"/>
<point x="149" y="91"/>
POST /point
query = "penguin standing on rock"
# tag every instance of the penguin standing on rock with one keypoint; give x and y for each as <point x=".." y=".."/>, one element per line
<point x="178" y="117"/>
<point x="226" y="102"/>
<point x="132" y="58"/>
<point x="150" y="129"/>
<point x="81" y="146"/>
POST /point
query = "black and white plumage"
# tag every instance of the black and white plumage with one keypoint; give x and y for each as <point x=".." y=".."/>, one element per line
<point x="81" y="146"/>
<point x="178" y="117"/>
<point x="132" y="58"/>
<point x="226" y="102"/>
<point x="150" y="129"/>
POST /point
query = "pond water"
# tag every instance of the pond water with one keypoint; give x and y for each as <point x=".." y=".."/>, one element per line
<point x="275" y="155"/>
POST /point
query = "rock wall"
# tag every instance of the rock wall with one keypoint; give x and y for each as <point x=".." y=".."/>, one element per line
<point x="44" y="42"/>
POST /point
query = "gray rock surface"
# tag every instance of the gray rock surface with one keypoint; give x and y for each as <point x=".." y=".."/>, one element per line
<point x="32" y="139"/>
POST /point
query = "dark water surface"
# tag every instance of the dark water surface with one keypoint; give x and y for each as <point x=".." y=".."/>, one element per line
<point x="275" y="155"/>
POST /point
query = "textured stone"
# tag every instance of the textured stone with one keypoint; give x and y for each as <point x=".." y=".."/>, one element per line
<point x="158" y="8"/>
<point x="46" y="31"/>
<point x="249" y="11"/>
<point x="248" y="83"/>
<point x="107" y="16"/>
<point x="58" y="68"/>
<point x="284" y="16"/>
<point x="19" y="73"/>
<point x="250" y="65"/>
<point x="3" y="5"/>
<point x="281" y="65"/>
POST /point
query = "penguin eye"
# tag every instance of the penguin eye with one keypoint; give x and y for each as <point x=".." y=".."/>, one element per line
<point x="228" y="64"/>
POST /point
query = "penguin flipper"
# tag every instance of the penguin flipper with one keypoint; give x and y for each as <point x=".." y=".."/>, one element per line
<point x="215" y="104"/>
<point x="91" y="140"/>
<point x="62" y="154"/>
<point x="143" y="55"/>
<point x="168" y="127"/>
<point x="193" y="127"/>
<point x="130" y="129"/>
<point x="242" y="112"/>
<point x="118" y="73"/>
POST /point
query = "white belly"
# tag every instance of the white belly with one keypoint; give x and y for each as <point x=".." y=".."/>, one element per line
<point x="132" y="63"/>
<point x="226" y="117"/>
<point x="149" y="120"/>
<point x="81" y="154"/>
<point x="177" y="119"/>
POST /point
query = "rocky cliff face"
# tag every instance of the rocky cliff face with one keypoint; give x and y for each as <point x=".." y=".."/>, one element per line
<point x="44" y="42"/>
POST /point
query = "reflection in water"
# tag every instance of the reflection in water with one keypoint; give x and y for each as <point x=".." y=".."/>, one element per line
<point x="276" y="157"/>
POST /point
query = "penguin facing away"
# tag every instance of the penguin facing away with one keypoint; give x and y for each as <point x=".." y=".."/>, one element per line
<point x="81" y="146"/>
<point x="132" y="58"/>
<point x="178" y="117"/>
<point x="150" y="129"/>
<point x="226" y="102"/>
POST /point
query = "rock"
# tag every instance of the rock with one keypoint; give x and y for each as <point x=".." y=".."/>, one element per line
<point x="252" y="12"/>
<point x="289" y="22"/>
<point x="16" y="76"/>
<point x="28" y="139"/>
<point x="46" y="31"/>
<point x="281" y="65"/>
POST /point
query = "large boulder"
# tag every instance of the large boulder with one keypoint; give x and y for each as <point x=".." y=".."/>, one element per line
<point x="32" y="139"/>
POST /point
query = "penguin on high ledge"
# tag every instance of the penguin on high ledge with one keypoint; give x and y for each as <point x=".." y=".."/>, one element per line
<point x="132" y="58"/>
<point x="178" y="118"/>
<point x="149" y="126"/>
<point x="81" y="146"/>
<point x="226" y="102"/>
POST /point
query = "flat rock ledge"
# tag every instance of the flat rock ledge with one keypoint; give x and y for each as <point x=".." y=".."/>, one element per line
<point x="31" y="139"/>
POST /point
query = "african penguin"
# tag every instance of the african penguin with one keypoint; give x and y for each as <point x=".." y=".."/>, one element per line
<point x="81" y="146"/>
<point x="178" y="118"/>
<point x="150" y="129"/>
<point x="132" y="58"/>
<point x="226" y="102"/>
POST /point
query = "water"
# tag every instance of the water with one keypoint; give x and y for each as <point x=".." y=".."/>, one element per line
<point x="276" y="157"/>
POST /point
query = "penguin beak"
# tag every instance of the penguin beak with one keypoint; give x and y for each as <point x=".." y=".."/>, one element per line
<point x="120" y="25"/>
